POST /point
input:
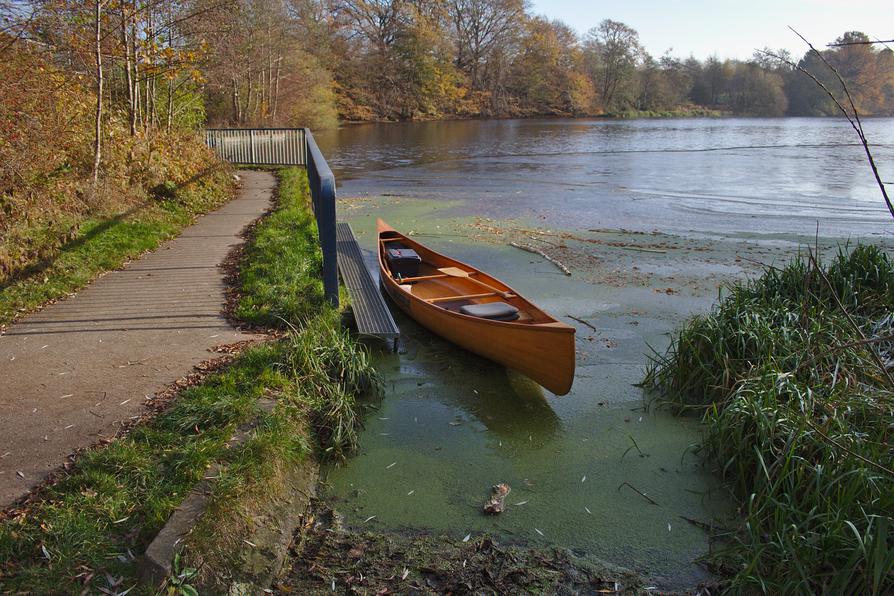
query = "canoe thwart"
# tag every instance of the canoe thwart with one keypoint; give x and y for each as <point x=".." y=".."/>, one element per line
<point x="422" y="278"/>
<point x="464" y="297"/>
<point x="457" y="272"/>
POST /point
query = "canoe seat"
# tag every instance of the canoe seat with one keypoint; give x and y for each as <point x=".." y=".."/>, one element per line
<point x="497" y="311"/>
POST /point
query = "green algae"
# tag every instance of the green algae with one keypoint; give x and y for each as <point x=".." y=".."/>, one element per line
<point x="452" y="424"/>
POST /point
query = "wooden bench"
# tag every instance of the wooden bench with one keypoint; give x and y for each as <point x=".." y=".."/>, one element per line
<point x="370" y="311"/>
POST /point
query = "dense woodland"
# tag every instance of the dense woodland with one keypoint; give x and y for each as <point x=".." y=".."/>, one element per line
<point x="170" y="63"/>
<point x="315" y="61"/>
<point x="100" y="99"/>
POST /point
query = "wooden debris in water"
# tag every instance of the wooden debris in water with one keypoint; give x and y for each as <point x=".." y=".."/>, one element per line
<point x="590" y="325"/>
<point x="534" y="250"/>
<point x="643" y="249"/>
<point x="639" y="492"/>
<point x="494" y="504"/>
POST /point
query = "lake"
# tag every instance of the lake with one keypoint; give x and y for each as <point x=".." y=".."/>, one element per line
<point x="769" y="175"/>
<point x="653" y="217"/>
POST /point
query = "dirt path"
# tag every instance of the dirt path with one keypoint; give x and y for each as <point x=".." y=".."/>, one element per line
<point x="73" y="373"/>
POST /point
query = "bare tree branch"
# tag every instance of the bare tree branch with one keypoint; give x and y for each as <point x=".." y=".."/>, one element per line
<point x="852" y="117"/>
<point x="855" y="43"/>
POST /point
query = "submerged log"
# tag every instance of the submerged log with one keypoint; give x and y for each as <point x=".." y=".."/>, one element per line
<point x="494" y="504"/>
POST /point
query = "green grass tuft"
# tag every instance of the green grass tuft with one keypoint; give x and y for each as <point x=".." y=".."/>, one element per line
<point x="331" y="369"/>
<point x="281" y="279"/>
<point x="792" y="372"/>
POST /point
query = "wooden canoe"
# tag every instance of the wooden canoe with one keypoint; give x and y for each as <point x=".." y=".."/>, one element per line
<point x="534" y="344"/>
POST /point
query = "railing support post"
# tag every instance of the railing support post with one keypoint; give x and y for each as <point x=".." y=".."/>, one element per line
<point x="322" y="191"/>
<point x="251" y="137"/>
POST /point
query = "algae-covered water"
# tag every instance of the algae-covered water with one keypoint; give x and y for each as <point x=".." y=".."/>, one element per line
<point x="451" y="424"/>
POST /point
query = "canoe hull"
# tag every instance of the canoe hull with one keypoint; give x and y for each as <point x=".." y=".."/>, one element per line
<point x="544" y="352"/>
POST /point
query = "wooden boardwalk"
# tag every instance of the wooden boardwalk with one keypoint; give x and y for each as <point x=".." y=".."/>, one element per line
<point x="370" y="311"/>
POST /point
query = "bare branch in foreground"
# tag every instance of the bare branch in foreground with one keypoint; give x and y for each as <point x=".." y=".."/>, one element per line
<point x="853" y="120"/>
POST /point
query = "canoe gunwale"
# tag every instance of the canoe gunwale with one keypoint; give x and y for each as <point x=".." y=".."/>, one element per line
<point x="551" y="326"/>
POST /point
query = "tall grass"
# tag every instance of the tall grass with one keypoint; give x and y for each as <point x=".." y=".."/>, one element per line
<point x="791" y="373"/>
<point x="281" y="287"/>
<point x="331" y="370"/>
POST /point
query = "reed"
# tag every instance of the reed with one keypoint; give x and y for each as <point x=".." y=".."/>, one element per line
<point x="791" y="373"/>
<point x="331" y="371"/>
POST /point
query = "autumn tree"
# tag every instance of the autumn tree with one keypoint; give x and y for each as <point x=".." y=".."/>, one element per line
<point x="612" y="50"/>
<point x="545" y="74"/>
<point x="486" y="33"/>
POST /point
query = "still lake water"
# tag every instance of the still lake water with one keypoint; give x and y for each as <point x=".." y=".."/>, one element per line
<point x="719" y="175"/>
<point x="451" y="424"/>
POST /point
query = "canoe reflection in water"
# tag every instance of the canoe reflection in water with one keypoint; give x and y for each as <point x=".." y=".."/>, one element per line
<point x="507" y="403"/>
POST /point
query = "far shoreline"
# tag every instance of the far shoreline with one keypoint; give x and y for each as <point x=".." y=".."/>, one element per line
<point x="342" y="124"/>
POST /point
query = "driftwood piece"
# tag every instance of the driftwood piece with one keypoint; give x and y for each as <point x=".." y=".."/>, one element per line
<point x="534" y="250"/>
<point x="494" y="504"/>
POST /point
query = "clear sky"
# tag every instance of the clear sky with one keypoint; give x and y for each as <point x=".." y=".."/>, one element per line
<point x="728" y="29"/>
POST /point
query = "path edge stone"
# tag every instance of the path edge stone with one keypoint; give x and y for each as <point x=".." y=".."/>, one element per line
<point x="280" y="514"/>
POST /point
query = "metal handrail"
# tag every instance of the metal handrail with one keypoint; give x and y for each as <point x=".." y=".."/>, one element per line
<point x="322" y="192"/>
<point x="289" y="146"/>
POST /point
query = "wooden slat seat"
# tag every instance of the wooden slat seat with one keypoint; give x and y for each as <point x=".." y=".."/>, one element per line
<point x="464" y="297"/>
<point x="370" y="311"/>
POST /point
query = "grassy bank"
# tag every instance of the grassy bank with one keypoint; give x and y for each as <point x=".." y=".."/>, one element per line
<point x="86" y="530"/>
<point x="792" y="372"/>
<point x="280" y="280"/>
<point x="98" y="244"/>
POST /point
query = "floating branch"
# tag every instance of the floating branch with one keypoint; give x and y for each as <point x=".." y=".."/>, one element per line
<point x="590" y="325"/>
<point x="637" y="491"/>
<point x="530" y="248"/>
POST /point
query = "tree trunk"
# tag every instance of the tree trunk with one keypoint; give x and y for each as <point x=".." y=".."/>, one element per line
<point x="237" y="106"/>
<point x="170" y="105"/>
<point x="276" y="85"/>
<point x="97" y="142"/>
<point x="128" y="69"/>
<point x="135" y="54"/>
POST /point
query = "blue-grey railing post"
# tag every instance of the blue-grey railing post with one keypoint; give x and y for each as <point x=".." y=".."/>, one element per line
<point x="322" y="191"/>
